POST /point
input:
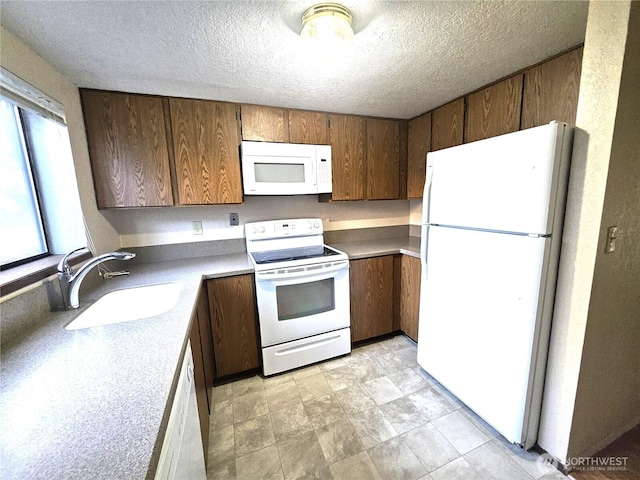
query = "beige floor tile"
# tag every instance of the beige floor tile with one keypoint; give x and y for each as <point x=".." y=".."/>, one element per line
<point x="260" y="465"/>
<point x="302" y="457"/>
<point x="483" y="426"/>
<point x="324" y="410"/>
<point x="375" y="350"/>
<point x="305" y="372"/>
<point x="277" y="380"/>
<point x="253" y="435"/>
<point x="391" y="363"/>
<point x="366" y="369"/>
<point x="247" y="385"/>
<point x="221" y="446"/>
<point x="354" y="399"/>
<point x="382" y="390"/>
<point x="460" y="432"/>
<point x="491" y="462"/>
<point x="398" y="342"/>
<point x="409" y="356"/>
<point x="222" y="415"/>
<point x="290" y="421"/>
<point x="331" y="364"/>
<point x="249" y="406"/>
<point x="313" y="386"/>
<point x="222" y="471"/>
<point x="403" y="415"/>
<point x="358" y="467"/>
<point x="408" y="381"/>
<point x="372" y="427"/>
<point x="458" y="469"/>
<point x="356" y="355"/>
<point x="340" y="378"/>
<point x="430" y="446"/>
<point x="283" y="396"/>
<point x="338" y="441"/>
<point x="431" y="403"/>
<point x="394" y="460"/>
<point x="221" y="393"/>
<point x="528" y="460"/>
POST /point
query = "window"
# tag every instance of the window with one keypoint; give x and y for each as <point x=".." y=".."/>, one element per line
<point x="40" y="211"/>
<point x="21" y="226"/>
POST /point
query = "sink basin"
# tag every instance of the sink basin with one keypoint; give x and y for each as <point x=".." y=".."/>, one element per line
<point x="128" y="304"/>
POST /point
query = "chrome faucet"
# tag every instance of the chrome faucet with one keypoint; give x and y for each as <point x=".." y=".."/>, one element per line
<point x="70" y="281"/>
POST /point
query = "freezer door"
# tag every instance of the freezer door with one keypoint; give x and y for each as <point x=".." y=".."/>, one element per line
<point x="480" y="321"/>
<point x="506" y="183"/>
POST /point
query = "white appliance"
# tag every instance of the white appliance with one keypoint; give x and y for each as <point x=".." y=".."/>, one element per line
<point x="492" y="225"/>
<point x="285" y="168"/>
<point x="182" y="454"/>
<point x="302" y="291"/>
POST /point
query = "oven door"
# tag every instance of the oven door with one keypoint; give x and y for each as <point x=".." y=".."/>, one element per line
<point x="302" y="301"/>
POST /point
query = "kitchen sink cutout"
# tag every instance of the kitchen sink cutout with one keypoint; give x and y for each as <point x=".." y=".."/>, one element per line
<point x="128" y="304"/>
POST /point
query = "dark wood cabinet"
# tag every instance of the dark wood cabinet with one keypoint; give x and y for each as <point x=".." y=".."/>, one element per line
<point x="128" y="149"/>
<point x="233" y="315"/>
<point x="382" y="165"/>
<point x="419" y="144"/>
<point x="203" y="391"/>
<point x="371" y="290"/>
<point x="308" y="127"/>
<point x="494" y="110"/>
<point x="206" y="341"/>
<point x="447" y="124"/>
<point x="551" y="90"/>
<point x="409" y="297"/>
<point x="347" y="137"/>
<point x="265" y="124"/>
<point x="205" y="143"/>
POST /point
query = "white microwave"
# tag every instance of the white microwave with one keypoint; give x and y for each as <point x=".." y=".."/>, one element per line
<point x="285" y="168"/>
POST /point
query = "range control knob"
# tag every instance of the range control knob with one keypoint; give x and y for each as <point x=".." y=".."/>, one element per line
<point x="316" y="224"/>
<point x="262" y="229"/>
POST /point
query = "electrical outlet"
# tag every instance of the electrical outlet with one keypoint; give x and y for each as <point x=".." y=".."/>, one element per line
<point x="196" y="227"/>
<point x="234" y="219"/>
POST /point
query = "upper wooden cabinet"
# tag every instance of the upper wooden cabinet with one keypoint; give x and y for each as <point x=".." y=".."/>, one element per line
<point x="308" y="127"/>
<point x="265" y="124"/>
<point x="205" y="144"/>
<point x="346" y="135"/>
<point x="551" y="90"/>
<point x="418" y="145"/>
<point x="128" y="149"/>
<point x="494" y="110"/>
<point x="382" y="163"/>
<point x="447" y="125"/>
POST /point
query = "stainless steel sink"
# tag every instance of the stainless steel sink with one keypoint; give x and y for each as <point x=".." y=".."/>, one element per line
<point x="128" y="304"/>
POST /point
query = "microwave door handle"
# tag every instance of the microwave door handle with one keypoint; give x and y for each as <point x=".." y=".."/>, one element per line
<point x="313" y="173"/>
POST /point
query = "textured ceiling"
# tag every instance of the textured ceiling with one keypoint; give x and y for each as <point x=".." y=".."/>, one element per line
<point x="407" y="57"/>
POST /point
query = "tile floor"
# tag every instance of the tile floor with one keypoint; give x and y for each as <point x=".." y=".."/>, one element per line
<point x="374" y="414"/>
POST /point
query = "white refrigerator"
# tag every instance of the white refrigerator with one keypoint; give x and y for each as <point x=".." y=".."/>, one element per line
<point x="491" y="233"/>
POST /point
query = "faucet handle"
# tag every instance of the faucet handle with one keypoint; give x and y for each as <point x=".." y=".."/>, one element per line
<point x="63" y="265"/>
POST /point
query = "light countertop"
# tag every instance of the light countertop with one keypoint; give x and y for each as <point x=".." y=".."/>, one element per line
<point x="94" y="403"/>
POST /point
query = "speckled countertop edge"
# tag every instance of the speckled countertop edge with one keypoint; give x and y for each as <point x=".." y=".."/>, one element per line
<point x="94" y="403"/>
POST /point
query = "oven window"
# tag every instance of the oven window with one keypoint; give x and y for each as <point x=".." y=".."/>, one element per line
<point x="304" y="299"/>
<point x="279" y="172"/>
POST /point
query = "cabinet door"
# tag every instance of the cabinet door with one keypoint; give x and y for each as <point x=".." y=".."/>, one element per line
<point x="205" y="144"/>
<point x="382" y="175"/>
<point x="346" y="135"/>
<point x="233" y="320"/>
<point x="494" y="110"/>
<point x="446" y="125"/>
<point x="202" y="392"/>
<point x="418" y="146"/>
<point x="308" y="127"/>
<point x="371" y="287"/>
<point x="409" y="295"/>
<point x="265" y="124"/>
<point x="128" y="149"/>
<point x="206" y="341"/>
<point x="551" y="91"/>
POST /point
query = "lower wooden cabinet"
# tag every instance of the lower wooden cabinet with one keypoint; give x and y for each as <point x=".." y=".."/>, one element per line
<point x="409" y="295"/>
<point x="371" y="288"/>
<point x="233" y="315"/>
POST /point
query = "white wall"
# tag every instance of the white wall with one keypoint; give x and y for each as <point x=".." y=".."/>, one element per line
<point x="158" y="226"/>
<point x="563" y="432"/>
<point x="20" y="60"/>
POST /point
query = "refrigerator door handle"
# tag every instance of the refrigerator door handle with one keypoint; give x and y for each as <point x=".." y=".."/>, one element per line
<point x="424" y="242"/>
<point x="427" y="190"/>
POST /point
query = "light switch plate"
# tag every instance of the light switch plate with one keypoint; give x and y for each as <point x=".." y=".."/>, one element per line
<point x="612" y="237"/>
<point x="196" y="227"/>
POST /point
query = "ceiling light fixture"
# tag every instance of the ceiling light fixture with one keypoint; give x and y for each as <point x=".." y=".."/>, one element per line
<point x="327" y="26"/>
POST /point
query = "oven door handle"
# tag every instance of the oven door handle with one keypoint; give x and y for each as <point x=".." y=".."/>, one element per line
<point x="300" y="272"/>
